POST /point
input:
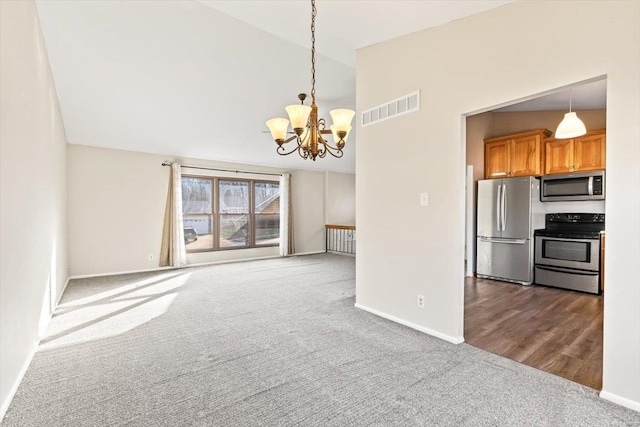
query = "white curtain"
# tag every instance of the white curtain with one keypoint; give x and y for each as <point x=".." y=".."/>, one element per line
<point x="173" y="252"/>
<point x="286" y="216"/>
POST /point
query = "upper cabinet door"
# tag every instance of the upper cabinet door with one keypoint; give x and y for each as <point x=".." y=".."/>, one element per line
<point x="517" y="154"/>
<point x="590" y="152"/>
<point x="558" y="156"/>
<point x="581" y="154"/>
<point x="496" y="159"/>
<point x="526" y="156"/>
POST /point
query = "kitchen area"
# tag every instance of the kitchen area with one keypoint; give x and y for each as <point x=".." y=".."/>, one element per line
<point x="535" y="287"/>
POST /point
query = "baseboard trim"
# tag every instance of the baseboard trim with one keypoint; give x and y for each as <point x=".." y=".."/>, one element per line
<point x="16" y="384"/>
<point x="342" y="253"/>
<point x="619" y="400"/>
<point x="117" y="273"/>
<point x="64" y="288"/>
<point x="200" y="264"/>
<point x="445" y="337"/>
<point x="4" y="407"/>
<point x="232" y="261"/>
<point x="308" y="253"/>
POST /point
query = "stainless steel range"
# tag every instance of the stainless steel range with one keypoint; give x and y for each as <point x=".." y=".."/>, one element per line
<point x="567" y="251"/>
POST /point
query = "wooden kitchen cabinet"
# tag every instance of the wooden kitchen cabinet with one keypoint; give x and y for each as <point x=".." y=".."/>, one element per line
<point x="585" y="153"/>
<point x="519" y="154"/>
<point x="496" y="159"/>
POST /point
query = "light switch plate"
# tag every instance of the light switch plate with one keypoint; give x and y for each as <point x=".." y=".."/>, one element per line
<point x="424" y="199"/>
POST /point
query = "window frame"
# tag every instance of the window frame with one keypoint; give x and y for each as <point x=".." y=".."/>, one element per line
<point x="215" y="209"/>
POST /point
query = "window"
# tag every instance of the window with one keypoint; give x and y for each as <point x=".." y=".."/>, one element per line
<point x="221" y="213"/>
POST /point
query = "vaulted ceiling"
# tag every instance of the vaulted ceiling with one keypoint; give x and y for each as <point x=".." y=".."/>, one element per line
<point x="200" y="78"/>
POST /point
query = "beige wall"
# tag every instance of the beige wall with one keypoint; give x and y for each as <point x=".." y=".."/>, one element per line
<point x="520" y="121"/>
<point x="307" y="195"/>
<point x="33" y="208"/>
<point x="117" y="201"/>
<point x="479" y="127"/>
<point x="341" y="198"/>
<point x="468" y="66"/>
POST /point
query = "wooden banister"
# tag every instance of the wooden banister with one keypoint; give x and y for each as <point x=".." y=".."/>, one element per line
<point x="340" y="238"/>
<point x="340" y="227"/>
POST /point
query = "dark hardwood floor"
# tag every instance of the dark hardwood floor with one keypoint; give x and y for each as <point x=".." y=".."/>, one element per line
<point x="556" y="330"/>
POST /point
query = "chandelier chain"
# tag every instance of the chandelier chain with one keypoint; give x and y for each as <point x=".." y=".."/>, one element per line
<point x="310" y="143"/>
<point x="313" y="51"/>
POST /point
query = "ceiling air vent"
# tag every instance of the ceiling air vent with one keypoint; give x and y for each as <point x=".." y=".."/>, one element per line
<point x="399" y="106"/>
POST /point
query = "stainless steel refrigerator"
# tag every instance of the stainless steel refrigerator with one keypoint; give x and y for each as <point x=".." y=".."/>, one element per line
<point x="509" y="210"/>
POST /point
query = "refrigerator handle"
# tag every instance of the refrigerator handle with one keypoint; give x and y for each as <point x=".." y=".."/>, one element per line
<point x="504" y="207"/>
<point x="498" y="197"/>
<point x="506" y="241"/>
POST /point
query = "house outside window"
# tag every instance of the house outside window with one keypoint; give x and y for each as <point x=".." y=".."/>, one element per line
<point x="223" y="213"/>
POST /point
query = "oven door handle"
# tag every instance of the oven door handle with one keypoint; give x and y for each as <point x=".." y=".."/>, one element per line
<point x="568" y="270"/>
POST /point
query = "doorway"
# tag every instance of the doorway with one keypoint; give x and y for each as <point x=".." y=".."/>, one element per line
<point x="556" y="330"/>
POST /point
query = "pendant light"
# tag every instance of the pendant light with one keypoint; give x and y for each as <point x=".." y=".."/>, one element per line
<point x="571" y="126"/>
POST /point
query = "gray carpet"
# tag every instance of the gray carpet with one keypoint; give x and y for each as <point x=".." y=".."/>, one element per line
<point x="272" y="343"/>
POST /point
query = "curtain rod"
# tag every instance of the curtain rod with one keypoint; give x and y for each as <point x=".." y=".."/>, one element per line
<point x="224" y="170"/>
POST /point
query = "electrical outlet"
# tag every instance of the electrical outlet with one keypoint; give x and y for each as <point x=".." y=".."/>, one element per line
<point x="150" y="257"/>
<point x="420" y="301"/>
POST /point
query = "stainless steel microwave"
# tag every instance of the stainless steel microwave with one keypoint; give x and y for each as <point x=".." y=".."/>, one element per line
<point x="572" y="186"/>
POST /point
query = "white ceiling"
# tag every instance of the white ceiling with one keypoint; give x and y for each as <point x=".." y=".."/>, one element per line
<point x="200" y="78"/>
<point x="342" y="26"/>
<point x="589" y="96"/>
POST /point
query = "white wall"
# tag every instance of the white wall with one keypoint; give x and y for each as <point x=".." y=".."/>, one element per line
<point x="33" y="212"/>
<point x="341" y="198"/>
<point x="117" y="202"/>
<point x="465" y="67"/>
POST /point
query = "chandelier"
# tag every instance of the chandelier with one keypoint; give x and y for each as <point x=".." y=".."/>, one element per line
<point x="308" y="128"/>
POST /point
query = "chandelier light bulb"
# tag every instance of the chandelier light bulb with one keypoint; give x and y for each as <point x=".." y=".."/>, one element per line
<point x="336" y="136"/>
<point x="299" y="115"/>
<point x="342" y="118"/>
<point x="278" y="128"/>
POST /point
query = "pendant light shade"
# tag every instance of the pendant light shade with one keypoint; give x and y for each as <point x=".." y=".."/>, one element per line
<point x="571" y="126"/>
<point x="278" y="128"/>
<point x="299" y="115"/>
<point x="342" y="118"/>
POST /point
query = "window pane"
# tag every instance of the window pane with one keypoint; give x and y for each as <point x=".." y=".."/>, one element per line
<point x="196" y="195"/>
<point x="267" y="197"/>
<point x="234" y="197"/>
<point x="198" y="232"/>
<point x="234" y="230"/>
<point x="267" y="229"/>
